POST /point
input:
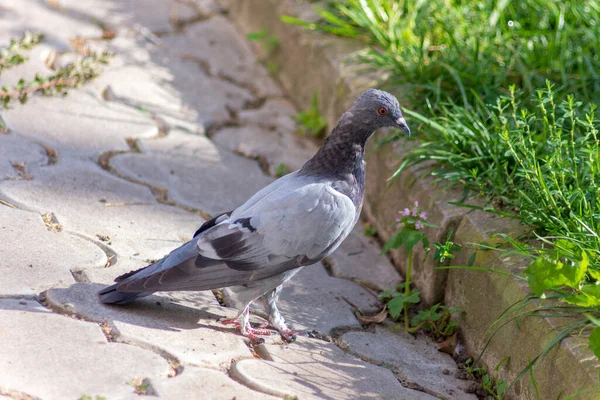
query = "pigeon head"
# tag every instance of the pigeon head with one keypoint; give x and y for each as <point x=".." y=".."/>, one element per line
<point x="378" y="109"/>
<point x="343" y="150"/>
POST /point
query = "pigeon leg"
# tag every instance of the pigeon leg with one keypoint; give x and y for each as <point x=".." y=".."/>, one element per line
<point x="242" y="323"/>
<point x="275" y="318"/>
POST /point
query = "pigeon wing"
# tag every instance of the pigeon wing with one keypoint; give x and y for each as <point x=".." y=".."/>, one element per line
<point x="284" y="229"/>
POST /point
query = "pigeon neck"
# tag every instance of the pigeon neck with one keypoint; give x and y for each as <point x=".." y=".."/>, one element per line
<point x="343" y="151"/>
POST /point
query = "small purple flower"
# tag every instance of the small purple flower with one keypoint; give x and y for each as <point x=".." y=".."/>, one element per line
<point x="423" y="215"/>
<point x="416" y="204"/>
<point x="400" y="225"/>
<point x="415" y="212"/>
<point x="398" y="220"/>
<point x="419" y="224"/>
<point x="406" y="212"/>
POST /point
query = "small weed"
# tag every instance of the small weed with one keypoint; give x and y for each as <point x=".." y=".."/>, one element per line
<point x="271" y="41"/>
<point x="436" y="319"/>
<point x="71" y="76"/>
<point x="493" y="385"/>
<point x="311" y="121"/>
<point x="281" y="170"/>
<point x="13" y="55"/>
<point x="270" y="44"/>
<point x="369" y="229"/>
<point x="142" y="386"/>
<point x="446" y="250"/>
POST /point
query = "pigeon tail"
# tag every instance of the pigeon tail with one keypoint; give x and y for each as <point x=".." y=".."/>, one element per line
<point x="111" y="295"/>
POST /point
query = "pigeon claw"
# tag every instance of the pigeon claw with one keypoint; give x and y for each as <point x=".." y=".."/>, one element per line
<point x="288" y="335"/>
<point x="229" y="321"/>
<point x="247" y="331"/>
<point x="253" y="333"/>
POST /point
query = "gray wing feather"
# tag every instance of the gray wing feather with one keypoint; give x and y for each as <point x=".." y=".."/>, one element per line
<point x="282" y="227"/>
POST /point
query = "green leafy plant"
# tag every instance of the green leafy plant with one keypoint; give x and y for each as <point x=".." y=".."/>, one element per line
<point x="399" y="300"/>
<point x="64" y="78"/>
<point x="493" y="385"/>
<point x="271" y="45"/>
<point x="14" y="54"/>
<point x="436" y="320"/>
<point x="408" y="236"/>
<point x="281" y="170"/>
<point x="270" y="40"/>
<point x="445" y="251"/>
<point x="310" y="120"/>
<point x="369" y="229"/>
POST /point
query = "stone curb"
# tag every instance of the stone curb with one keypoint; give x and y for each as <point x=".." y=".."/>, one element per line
<point x="309" y="62"/>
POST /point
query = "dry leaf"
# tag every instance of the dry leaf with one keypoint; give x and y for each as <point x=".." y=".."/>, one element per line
<point x="80" y="45"/>
<point x="51" y="222"/>
<point x="448" y="345"/>
<point x="21" y="171"/>
<point x="377" y="318"/>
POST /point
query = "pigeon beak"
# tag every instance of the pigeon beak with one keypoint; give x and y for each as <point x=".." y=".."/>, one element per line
<point x="403" y="125"/>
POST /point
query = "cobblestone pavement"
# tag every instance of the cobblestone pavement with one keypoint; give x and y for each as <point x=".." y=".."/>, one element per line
<point x="182" y="124"/>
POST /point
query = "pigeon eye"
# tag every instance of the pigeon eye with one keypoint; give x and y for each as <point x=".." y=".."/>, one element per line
<point x="382" y="111"/>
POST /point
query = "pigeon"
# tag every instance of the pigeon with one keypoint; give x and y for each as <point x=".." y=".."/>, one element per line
<point x="293" y="222"/>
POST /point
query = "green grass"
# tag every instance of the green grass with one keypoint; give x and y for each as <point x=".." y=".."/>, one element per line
<point x="540" y="160"/>
<point x="451" y="49"/>
<point x="310" y="121"/>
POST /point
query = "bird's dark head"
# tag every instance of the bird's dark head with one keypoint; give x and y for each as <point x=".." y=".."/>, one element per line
<point x="343" y="150"/>
<point x="378" y="109"/>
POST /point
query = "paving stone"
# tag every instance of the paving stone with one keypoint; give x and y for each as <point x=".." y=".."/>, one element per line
<point x="194" y="85"/>
<point x="213" y="98"/>
<point x="314" y="369"/>
<point x="117" y="214"/>
<point x="148" y="89"/>
<point x="276" y="113"/>
<point x="18" y="150"/>
<point x="34" y="259"/>
<point x="81" y="124"/>
<point x="278" y="148"/>
<point x="205" y="384"/>
<point x="185" y="80"/>
<point x="55" y="357"/>
<point x="180" y="323"/>
<point x="226" y="53"/>
<point x="312" y="300"/>
<point x="197" y="173"/>
<point x="154" y="15"/>
<point x="39" y="16"/>
<point x="415" y="360"/>
<point x="358" y="257"/>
